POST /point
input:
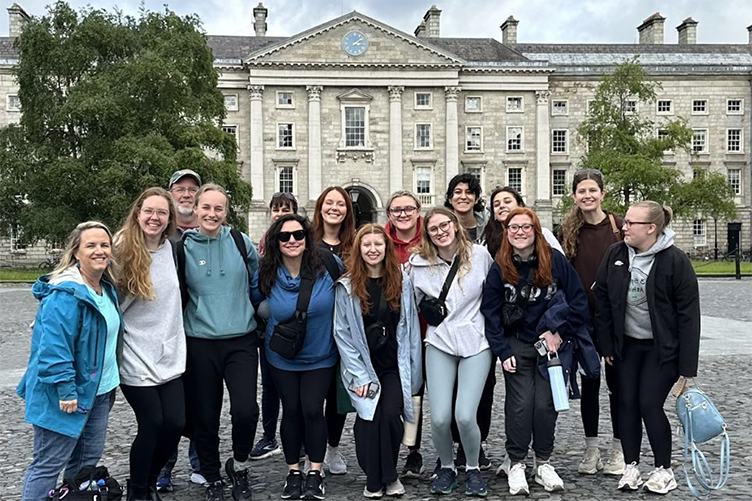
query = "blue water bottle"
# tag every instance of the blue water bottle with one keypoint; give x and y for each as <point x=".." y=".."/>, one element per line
<point x="556" y="378"/>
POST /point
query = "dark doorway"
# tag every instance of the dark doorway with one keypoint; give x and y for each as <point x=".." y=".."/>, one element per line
<point x="364" y="205"/>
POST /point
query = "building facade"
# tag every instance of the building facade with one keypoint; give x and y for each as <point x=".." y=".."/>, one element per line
<point x="357" y="103"/>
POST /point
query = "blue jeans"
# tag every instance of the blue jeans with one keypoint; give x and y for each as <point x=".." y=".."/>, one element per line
<point x="192" y="456"/>
<point x="54" y="452"/>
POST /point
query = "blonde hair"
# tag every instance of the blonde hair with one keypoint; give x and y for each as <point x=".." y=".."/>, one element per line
<point x="428" y="251"/>
<point x="212" y="187"/>
<point x="403" y="193"/>
<point x="68" y="257"/>
<point x="659" y="215"/>
<point x="131" y="253"/>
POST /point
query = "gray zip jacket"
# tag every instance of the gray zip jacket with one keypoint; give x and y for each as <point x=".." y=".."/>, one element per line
<point x="463" y="331"/>
<point x="355" y="358"/>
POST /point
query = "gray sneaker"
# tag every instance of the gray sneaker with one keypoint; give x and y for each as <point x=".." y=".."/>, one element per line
<point x="334" y="461"/>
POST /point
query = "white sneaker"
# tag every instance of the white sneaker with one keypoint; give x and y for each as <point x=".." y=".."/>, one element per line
<point x="615" y="464"/>
<point x="334" y="461"/>
<point x="395" y="488"/>
<point x="504" y="468"/>
<point x="591" y="463"/>
<point x="546" y="476"/>
<point x="631" y="480"/>
<point x="661" y="481"/>
<point x="517" y="480"/>
<point x="199" y="479"/>
<point x="373" y="495"/>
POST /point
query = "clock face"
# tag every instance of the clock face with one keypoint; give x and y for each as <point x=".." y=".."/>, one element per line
<point x="354" y="43"/>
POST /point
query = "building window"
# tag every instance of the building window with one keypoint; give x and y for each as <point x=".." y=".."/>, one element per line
<point x="423" y="100"/>
<point x="514" y="178"/>
<point x="285" y="136"/>
<point x="735" y="180"/>
<point x="12" y="103"/>
<point x="231" y="102"/>
<point x="663" y="134"/>
<point x="473" y="104"/>
<point x="476" y="172"/>
<point x="734" y="106"/>
<point x="286" y="179"/>
<point x="355" y="126"/>
<point x="699" y="106"/>
<point x="734" y="140"/>
<point x="630" y="106"/>
<point x="473" y="138"/>
<point x="423" y="184"/>
<point x="514" y="105"/>
<point x="231" y="129"/>
<point x="559" y="107"/>
<point x="700" y="141"/>
<point x="698" y="232"/>
<point x="588" y="105"/>
<point x="665" y="107"/>
<point x="559" y="141"/>
<point x="559" y="182"/>
<point x="514" y="138"/>
<point x="285" y="99"/>
<point x="423" y="139"/>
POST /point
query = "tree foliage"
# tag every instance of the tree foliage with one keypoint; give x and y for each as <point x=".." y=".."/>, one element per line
<point x="622" y="143"/>
<point x="111" y="105"/>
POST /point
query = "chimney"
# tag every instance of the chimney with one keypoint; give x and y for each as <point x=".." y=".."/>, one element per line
<point x="433" y="24"/>
<point x="687" y="32"/>
<point x="651" y="29"/>
<point x="17" y="18"/>
<point x="420" y="31"/>
<point x="259" y="20"/>
<point x="509" y="30"/>
<point x="749" y="30"/>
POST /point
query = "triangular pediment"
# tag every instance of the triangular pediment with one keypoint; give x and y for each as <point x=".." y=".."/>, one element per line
<point x="354" y="96"/>
<point x="326" y="45"/>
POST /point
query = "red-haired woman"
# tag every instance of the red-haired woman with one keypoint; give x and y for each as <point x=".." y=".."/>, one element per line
<point x="378" y="336"/>
<point x="532" y="294"/>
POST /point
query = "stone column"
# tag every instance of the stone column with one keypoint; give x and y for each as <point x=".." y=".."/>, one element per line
<point x="452" y="161"/>
<point x="543" y="203"/>
<point x="314" y="141"/>
<point x="395" y="138"/>
<point x="257" y="142"/>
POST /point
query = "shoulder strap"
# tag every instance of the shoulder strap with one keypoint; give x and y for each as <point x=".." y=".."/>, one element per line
<point x="180" y="263"/>
<point x="304" y="296"/>
<point x="237" y="237"/>
<point x="330" y="264"/>
<point x="449" y="279"/>
<point x="174" y="248"/>
<point x="617" y="232"/>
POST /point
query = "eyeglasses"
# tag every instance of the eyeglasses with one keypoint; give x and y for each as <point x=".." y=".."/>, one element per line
<point x="442" y="227"/>
<point x="149" y="212"/>
<point x="627" y="223"/>
<point x="182" y="189"/>
<point x="514" y="228"/>
<point x="409" y="210"/>
<point x="297" y="235"/>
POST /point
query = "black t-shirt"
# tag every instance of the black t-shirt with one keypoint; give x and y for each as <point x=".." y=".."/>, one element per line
<point x="472" y="233"/>
<point x="334" y="249"/>
<point x="383" y="359"/>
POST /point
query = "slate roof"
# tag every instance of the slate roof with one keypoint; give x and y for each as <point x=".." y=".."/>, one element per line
<point x="239" y="47"/>
<point x="6" y="48"/>
<point x="478" y="49"/>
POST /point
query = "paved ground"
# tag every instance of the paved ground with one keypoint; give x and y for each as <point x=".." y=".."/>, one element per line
<point x="724" y="370"/>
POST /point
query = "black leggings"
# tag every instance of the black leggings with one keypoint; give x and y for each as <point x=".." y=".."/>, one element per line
<point x="644" y="384"/>
<point x="160" y="413"/>
<point x="335" y="422"/>
<point x="302" y="394"/>
<point x="590" y="403"/>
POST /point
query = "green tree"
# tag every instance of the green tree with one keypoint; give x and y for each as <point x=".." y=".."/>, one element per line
<point x="111" y="105"/>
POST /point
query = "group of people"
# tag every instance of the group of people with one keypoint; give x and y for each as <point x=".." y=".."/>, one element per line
<point x="176" y="305"/>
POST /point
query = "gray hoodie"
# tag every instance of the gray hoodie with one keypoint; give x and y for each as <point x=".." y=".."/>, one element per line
<point x="637" y="323"/>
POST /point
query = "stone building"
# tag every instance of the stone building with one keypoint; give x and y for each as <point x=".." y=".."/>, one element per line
<point x="357" y="103"/>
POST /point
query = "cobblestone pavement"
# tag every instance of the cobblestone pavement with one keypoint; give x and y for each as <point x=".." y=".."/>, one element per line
<point x="726" y="348"/>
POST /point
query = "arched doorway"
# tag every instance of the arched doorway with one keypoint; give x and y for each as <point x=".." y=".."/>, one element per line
<point x="364" y="204"/>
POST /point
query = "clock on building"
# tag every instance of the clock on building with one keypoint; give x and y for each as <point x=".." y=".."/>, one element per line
<point x="354" y="43"/>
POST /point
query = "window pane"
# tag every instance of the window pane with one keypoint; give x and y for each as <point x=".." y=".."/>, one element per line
<point x="559" y="141"/>
<point x="423" y="135"/>
<point x="559" y="183"/>
<point x="423" y="180"/>
<point x="355" y="126"/>
<point x="664" y="106"/>
<point x="559" y="108"/>
<point x="285" y="180"/>
<point x="423" y="99"/>
<point x="472" y="104"/>
<point x="734" y="139"/>
<point x="514" y="138"/>
<point x="735" y="180"/>
<point x="699" y="106"/>
<point x="699" y="137"/>
<point x="515" y="178"/>
<point x="285" y="136"/>
<point x="734" y="106"/>
<point x="473" y="139"/>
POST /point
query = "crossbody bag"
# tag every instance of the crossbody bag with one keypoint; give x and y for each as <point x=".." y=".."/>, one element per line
<point x="434" y="309"/>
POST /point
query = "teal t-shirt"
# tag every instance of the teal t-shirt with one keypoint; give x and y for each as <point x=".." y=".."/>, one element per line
<point x="110" y="373"/>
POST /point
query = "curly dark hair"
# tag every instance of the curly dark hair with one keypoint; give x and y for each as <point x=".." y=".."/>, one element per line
<point x="473" y="185"/>
<point x="272" y="258"/>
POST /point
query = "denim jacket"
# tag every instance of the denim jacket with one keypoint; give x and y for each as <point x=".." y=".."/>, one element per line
<point x="355" y="363"/>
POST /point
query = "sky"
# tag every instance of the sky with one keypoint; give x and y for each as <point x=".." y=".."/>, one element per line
<point x="541" y="21"/>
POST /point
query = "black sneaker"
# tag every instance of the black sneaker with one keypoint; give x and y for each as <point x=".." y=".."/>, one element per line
<point x="215" y="492"/>
<point x="265" y="448"/>
<point x="314" y="486"/>
<point x="241" y="488"/>
<point x="483" y="462"/>
<point x="460" y="461"/>
<point x="413" y="465"/>
<point x="436" y="469"/>
<point x="293" y="485"/>
<point x="474" y="484"/>
<point x="445" y="481"/>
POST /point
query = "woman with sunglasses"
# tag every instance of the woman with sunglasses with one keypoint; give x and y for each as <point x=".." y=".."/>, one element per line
<point x="586" y="234"/>
<point x="456" y="347"/>
<point x="648" y="325"/>
<point x="378" y="337"/>
<point x="303" y="380"/>
<point x="531" y="294"/>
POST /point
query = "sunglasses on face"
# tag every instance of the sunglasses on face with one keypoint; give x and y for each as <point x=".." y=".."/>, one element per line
<point x="297" y="235"/>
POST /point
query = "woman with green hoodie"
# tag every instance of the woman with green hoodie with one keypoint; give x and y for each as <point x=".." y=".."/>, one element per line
<point x="219" y="325"/>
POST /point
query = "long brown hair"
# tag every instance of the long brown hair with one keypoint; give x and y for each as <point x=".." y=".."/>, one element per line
<point x="357" y="270"/>
<point x="573" y="221"/>
<point x="131" y="254"/>
<point x="428" y="251"/>
<point x="346" y="228"/>
<point x="504" y="257"/>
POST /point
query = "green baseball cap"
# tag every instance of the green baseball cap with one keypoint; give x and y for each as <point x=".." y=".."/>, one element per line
<point x="180" y="174"/>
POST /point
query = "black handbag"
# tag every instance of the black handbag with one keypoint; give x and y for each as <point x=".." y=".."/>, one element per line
<point x="99" y="486"/>
<point x="434" y="310"/>
<point x="288" y="337"/>
<point x="376" y="333"/>
<point x="512" y="314"/>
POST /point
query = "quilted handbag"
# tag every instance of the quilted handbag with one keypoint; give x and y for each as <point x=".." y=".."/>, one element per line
<point x="701" y="422"/>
